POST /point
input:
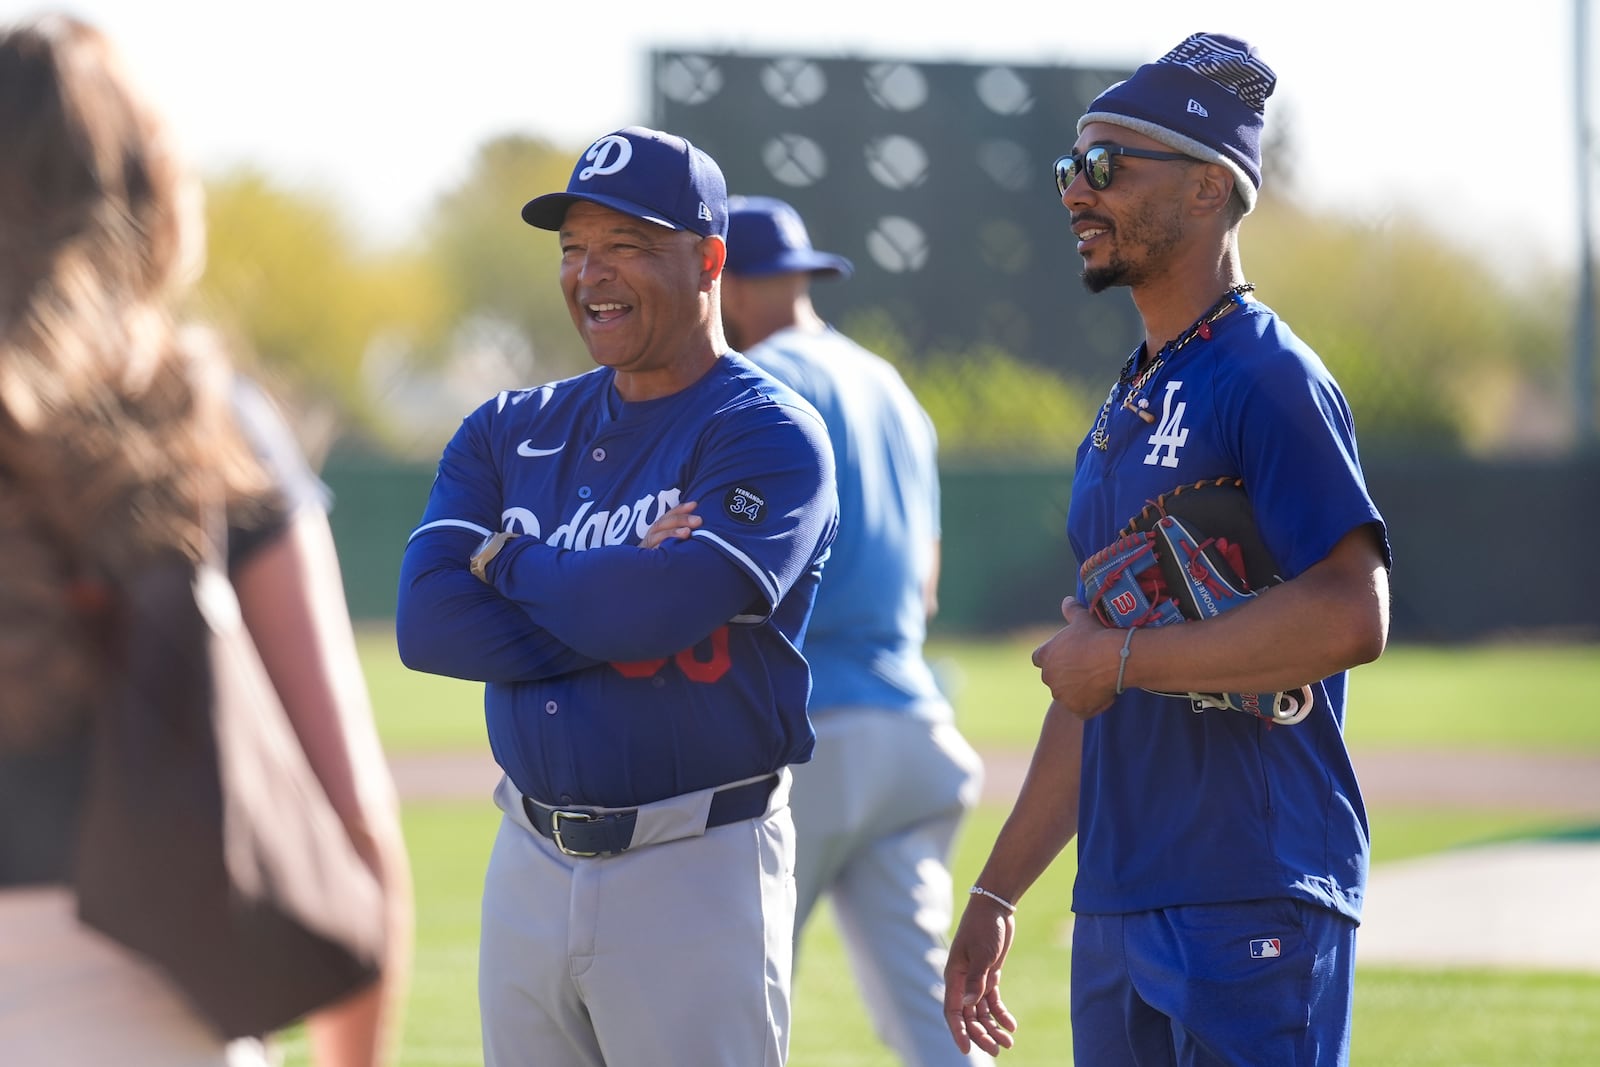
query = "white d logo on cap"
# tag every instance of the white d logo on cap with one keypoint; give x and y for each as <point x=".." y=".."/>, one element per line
<point x="610" y="154"/>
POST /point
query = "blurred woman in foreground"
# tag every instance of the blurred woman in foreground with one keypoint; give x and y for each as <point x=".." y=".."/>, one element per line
<point x="116" y="428"/>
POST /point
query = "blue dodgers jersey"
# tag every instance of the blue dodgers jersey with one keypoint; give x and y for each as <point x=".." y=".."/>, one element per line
<point x="582" y="707"/>
<point x="865" y="641"/>
<point x="1179" y="807"/>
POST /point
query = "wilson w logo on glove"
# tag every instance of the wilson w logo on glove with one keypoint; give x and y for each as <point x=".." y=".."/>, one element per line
<point x="1126" y="585"/>
<point x="1163" y="569"/>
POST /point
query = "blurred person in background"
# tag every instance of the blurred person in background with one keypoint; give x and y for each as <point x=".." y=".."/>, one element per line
<point x="1222" y="857"/>
<point x="116" y="428"/>
<point x="877" y="808"/>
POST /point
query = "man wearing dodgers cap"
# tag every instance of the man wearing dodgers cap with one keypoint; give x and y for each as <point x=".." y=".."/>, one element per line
<point x="1222" y="857"/>
<point x="628" y="559"/>
<point x="878" y="806"/>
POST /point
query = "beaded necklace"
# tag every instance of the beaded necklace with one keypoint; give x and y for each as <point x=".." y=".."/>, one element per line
<point x="1139" y="405"/>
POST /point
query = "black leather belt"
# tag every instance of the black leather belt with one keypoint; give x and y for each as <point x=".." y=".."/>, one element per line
<point x="585" y="832"/>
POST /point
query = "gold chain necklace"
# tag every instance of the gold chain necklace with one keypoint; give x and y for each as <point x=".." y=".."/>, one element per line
<point x="1137" y="404"/>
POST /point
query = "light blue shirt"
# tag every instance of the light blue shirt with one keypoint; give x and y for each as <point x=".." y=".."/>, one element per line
<point x="865" y="639"/>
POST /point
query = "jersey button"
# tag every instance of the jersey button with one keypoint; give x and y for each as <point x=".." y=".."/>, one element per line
<point x="550" y="707"/>
<point x="584" y="492"/>
<point x="598" y="455"/>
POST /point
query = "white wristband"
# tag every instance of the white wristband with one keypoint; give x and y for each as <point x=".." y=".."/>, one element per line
<point x="1122" y="664"/>
<point x="979" y="891"/>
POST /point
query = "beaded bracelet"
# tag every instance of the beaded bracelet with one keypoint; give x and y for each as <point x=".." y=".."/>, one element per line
<point x="979" y="891"/>
<point x="1123" y="664"/>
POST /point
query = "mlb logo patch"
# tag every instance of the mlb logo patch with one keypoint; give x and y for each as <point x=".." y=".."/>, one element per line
<point x="1266" y="948"/>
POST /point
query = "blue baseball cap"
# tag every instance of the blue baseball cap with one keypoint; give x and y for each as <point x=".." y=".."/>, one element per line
<point x="767" y="236"/>
<point x="1206" y="98"/>
<point x="655" y="176"/>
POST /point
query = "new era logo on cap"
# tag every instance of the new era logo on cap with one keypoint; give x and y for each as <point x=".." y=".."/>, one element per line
<point x="1197" y="108"/>
<point x="651" y="175"/>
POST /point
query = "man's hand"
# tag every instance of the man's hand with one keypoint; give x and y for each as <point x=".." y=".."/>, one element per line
<point x="972" y="1007"/>
<point x="1079" y="663"/>
<point x="678" y="524"/>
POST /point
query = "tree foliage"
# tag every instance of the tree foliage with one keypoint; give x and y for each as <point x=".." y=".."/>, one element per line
<point x="498" y="267"/>
<point x="1424" y="341"/>
<point x="985" y="403"/>
<point x="301" y="302"/>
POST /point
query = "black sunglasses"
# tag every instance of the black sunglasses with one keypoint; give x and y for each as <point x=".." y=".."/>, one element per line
<point x="1095" y="164"/>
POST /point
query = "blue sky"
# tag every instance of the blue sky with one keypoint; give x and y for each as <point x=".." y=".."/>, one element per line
<point x="1399" y="106"/>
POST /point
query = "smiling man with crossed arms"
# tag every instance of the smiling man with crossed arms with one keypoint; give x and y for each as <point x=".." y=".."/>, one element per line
<point x="645" y="692"/>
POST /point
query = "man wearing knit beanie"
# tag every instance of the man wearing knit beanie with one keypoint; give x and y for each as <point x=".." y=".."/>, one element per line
<point x="1222" y="856"/>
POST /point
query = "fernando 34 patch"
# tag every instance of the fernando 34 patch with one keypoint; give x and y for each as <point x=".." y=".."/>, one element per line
<point x="745" y="504"/>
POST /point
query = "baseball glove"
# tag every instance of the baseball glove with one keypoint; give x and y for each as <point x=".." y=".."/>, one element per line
<point x="1192" y="553"/>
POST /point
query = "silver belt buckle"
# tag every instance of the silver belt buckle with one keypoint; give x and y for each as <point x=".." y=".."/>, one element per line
<point x="557" y="817"/>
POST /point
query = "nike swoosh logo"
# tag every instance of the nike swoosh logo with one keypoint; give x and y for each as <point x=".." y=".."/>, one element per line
<point x="526" y="449"/>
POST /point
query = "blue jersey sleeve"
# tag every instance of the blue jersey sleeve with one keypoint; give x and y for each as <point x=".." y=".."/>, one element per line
<point x="447" y="621"/>
<point x="766" y="492"/>
<point x="1293" y="438"/>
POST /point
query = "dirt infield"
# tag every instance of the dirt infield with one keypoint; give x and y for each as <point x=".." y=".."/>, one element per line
<point x="1560" y="785"/>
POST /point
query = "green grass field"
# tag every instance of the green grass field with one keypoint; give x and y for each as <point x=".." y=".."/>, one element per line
<point x="1532" y="698"/>
<point x="1417" y="698"/>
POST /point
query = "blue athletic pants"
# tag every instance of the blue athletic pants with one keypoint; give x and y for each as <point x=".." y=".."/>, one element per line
<point x="1262" y="982"/>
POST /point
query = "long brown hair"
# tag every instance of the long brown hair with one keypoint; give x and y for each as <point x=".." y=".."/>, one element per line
<point x="104" y="416"/>
<point x="113" y="433"/>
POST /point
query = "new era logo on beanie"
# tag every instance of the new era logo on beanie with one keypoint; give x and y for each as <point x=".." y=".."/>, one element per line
<point x="1206" y="98"/>
<point x="767" y="236"/>
<point x="651" y="175"/>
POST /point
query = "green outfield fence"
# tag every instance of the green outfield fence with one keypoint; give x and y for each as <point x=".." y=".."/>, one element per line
<point x="1482" y="549"/>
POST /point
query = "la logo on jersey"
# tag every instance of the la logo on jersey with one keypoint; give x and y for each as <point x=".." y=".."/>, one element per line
<point x="1170" y="433"/>
<point x="1266" y="948"/>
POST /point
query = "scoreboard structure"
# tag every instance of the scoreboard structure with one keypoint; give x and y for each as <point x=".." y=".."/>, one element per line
<point x="933" y="177"/>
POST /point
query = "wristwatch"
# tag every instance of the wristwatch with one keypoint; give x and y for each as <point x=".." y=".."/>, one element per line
<point x="488" y="550"/>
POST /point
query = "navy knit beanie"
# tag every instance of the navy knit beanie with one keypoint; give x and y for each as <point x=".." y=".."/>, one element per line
<point x="1205" y="98"/>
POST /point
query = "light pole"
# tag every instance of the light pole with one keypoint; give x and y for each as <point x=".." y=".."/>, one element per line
<point x="1583" y="340"/>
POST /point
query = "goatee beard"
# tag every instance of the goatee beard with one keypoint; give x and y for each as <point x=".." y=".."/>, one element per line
<point x="1099" y="279"/>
